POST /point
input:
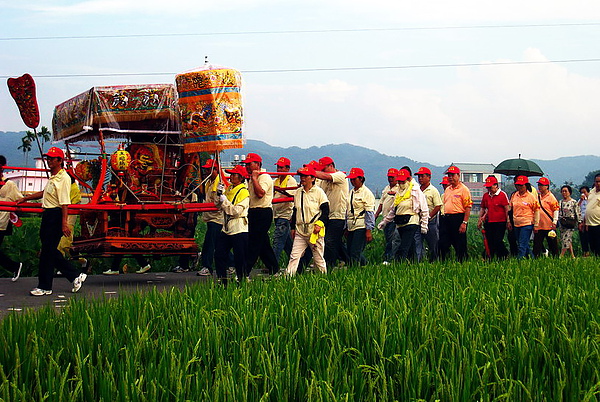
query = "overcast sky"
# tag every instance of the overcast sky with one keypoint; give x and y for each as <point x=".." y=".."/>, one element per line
<point x="483" y="105"/>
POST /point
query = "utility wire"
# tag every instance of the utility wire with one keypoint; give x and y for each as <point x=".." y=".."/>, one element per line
<point x="310" y="31"/>
<point x="310" y="70"/>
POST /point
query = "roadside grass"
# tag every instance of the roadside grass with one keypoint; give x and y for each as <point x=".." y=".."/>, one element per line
<point x="513" y="330"/>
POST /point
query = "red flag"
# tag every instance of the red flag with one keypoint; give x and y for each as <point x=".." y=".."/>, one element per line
<point x="22" y="90"/>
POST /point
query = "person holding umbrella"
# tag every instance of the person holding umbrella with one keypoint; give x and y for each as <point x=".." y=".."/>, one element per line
<point x="526" y="215"/>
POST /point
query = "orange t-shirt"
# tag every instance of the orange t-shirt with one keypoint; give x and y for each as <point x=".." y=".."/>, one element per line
<point x="457" y="199"/>
<point x="523" y="208"/>
<point x="550" y="204"/>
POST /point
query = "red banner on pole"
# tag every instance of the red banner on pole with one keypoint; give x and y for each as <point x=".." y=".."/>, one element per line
<point x="22" y="90"/>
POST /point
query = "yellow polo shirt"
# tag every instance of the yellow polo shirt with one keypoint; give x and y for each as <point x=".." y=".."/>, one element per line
<point x="592" y="212"/>
<point x="387" y="200"/>
<point x="432" y="195"/>
<point x="57" y="191"/>
<point x="266" y="183"/>
<point x="8" y="192"/>
<point x="337" y="194"/>
<point x="359" y="202"/>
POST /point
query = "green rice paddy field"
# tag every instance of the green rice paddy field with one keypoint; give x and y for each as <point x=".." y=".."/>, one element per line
<point x="513" y="331"/>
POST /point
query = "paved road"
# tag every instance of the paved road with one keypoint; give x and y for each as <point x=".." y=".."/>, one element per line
<point x="15" y="297"/>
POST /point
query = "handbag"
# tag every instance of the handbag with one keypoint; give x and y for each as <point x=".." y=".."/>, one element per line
<point x="401" y="219"/>
<point x="568" y="222"/>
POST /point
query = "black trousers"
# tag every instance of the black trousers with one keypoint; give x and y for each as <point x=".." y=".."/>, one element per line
<point x="334" y="246"/>
<point x="239" y="244"/>
<point x="356" y="243"/>
<point x="538" y="243"/>
<point x="494" y="233"/>
<point x="50" y="257"/>
<point x="450" y="237"/>
<point x="594" y="238"/>
<point x="5" y="261"/>
<point x="259" y="243"/>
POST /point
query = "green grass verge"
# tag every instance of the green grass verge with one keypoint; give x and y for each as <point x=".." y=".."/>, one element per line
<point x="518" y="331"/>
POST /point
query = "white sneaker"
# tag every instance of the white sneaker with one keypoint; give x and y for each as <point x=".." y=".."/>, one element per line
<point x="143" y="270"/>
<point x="18" y="273"/>
<point x="110" y="272"/>
<point x="204" y="272"/>
<point x="40" y="292"/>
<point x="231" y="271"/>
<point x="385" y="263"/>
<point x="77" y="282"/>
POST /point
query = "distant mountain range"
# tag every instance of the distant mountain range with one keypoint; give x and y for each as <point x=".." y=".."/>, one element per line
<point x="567" y="169"/>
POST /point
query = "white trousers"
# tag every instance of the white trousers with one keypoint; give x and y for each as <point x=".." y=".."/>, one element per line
<point x="298" y="249"/>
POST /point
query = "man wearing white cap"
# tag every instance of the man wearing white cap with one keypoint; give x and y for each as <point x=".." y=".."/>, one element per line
<point x="55" y="202"/>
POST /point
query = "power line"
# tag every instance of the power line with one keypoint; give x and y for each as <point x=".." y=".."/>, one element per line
<point x="310" y="31"/>
<point x="324" y="69"/>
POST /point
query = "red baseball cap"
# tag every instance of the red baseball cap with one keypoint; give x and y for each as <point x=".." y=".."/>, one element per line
<point x="210" y="163"/>
<point x="307" y="171"/>
<point x="324" y="161"/>
<point x="55" y="152"/>
<point x="239" y="169"/>
<point x="283" y="161"/>
<point x="251" y="157"/>
<point x="313" y="164"/>
<point x="453" y="169"/>
<point x="355" y="172"/>
<point x="392" y="172"/>
<point x="521" y="180"/>
<point x="490" y="180"/>
<point x="445" y="180"/>
<point x="424" y="170"/>
<point x="544" y="181"/>
<point x="402" y="175"/>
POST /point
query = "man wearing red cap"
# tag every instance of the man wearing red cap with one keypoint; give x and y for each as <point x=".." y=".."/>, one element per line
<point x="309" y="221"/>
<point x="457" y="209"/>
<point x="392" y="241"/>
<point x="544" y="230"/>
<point x="8" y="192"/>
<point x="493" y="217"/>
<point x="283" y="186"/>
<point x="335" y="185"/>
<point x="55" y="203"/>
<point x="360" y="217"/>
<point x="434" y="204"/>
<point x="260" y="215"/>
<point x="213" y="219"/>
<point x="526" y="215"/>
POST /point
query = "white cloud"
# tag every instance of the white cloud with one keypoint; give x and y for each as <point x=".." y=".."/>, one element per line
<point x="489" y="114"/>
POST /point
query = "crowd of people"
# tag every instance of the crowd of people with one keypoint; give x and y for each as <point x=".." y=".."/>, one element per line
<point x="329" y="218"/>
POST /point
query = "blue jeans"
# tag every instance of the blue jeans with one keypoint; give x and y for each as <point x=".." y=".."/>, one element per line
<point x="282" y="238"/>
<point x="523" y="234"/>
<point x="392" y="241"/>
<point x="432" y="238"/>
